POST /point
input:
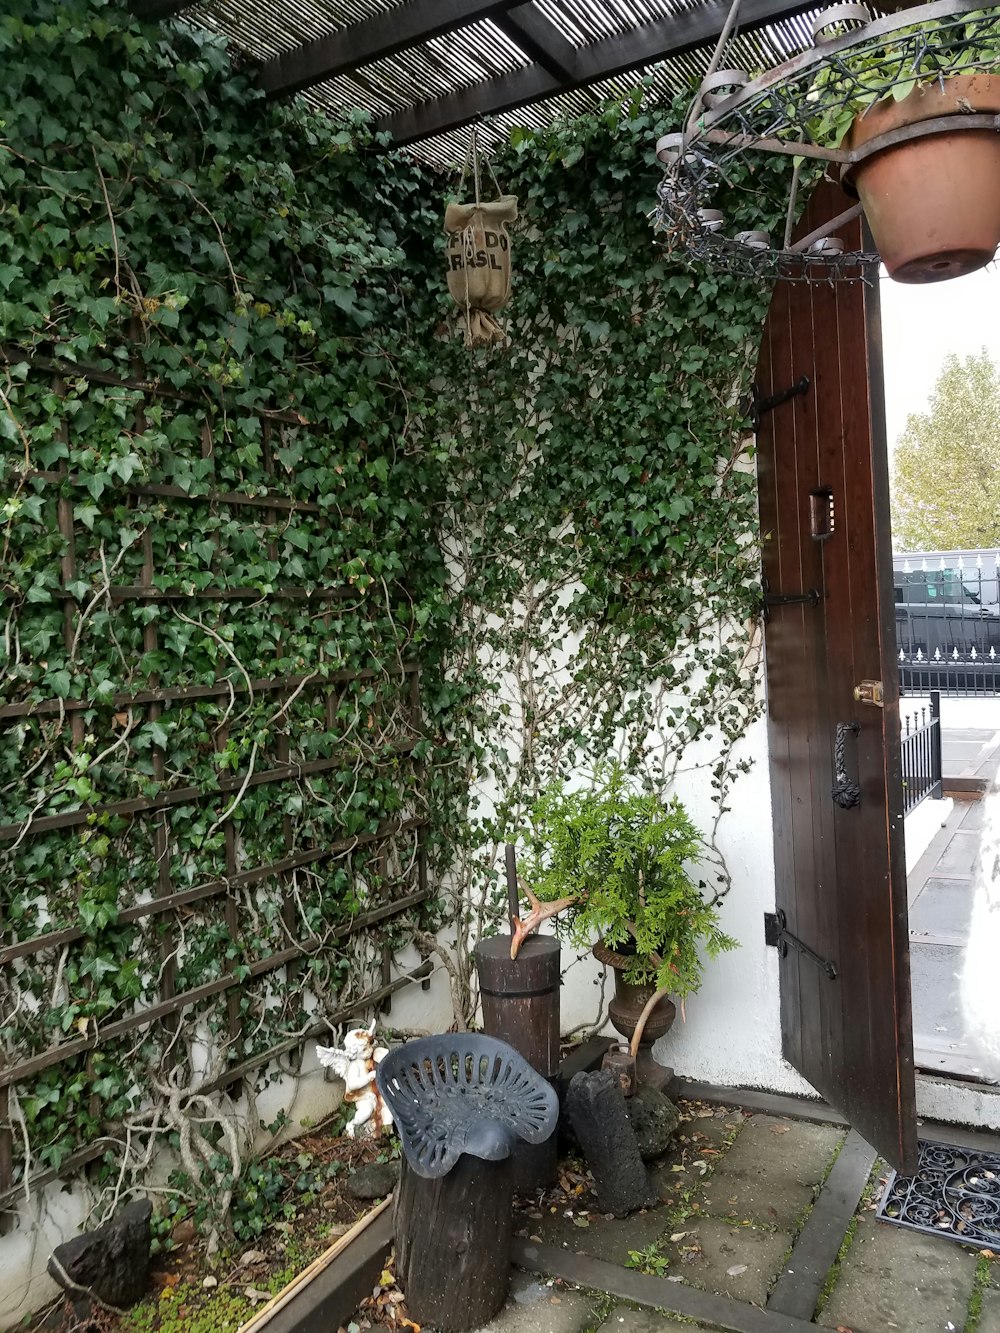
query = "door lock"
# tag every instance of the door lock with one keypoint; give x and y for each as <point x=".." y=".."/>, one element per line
<point x="869" y="692"/>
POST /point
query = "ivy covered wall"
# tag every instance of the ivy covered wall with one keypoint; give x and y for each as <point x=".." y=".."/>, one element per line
<point x="221" y="574"/>
<point x="602" y="528"/>
<point x="558" y="532"/>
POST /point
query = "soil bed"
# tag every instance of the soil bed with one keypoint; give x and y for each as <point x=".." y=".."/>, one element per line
<point x="301" y="1208"/>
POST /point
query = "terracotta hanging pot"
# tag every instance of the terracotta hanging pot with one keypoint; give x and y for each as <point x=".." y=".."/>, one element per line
<point x="933" y="202"/>
<point x="629" y="1000"/>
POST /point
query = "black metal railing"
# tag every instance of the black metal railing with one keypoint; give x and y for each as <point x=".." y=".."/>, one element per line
<point x="951" y="674"/>
<point x="922" y="754"/>
<point x="948" y="624"/>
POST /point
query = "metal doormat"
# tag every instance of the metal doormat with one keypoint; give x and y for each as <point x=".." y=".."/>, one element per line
<point x="955" y="1193"/>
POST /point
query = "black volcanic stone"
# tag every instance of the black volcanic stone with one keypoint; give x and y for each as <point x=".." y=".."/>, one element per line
<point x="112" y="1263"/>
<point x="596" y="1108"/>
<point x="373" y="1181"/>
<point x="655" y="1119"/>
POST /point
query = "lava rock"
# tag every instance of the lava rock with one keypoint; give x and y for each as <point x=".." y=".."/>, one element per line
<point x="374" y="1180"/>
<point x="110" y="1264"/>
<point x="655" y="1119"/>
<point x="596" y="1109"/>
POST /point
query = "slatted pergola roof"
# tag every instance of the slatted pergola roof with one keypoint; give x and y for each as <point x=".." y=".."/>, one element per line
<point x="426" y="68"/>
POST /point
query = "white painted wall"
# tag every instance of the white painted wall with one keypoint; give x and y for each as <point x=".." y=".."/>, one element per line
<point x="731" y="1034"/>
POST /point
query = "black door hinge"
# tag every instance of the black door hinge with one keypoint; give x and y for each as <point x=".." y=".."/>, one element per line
<point x="810" y="597"/>
<point x="778" y="936"/>
<point x="759" y="407"/>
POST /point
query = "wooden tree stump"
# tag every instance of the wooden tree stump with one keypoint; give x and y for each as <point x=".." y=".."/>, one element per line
<point x="453" y="1238"/>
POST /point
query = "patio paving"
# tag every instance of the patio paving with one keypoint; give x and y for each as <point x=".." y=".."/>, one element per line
<point x="940" y="891"/>
<point x="893" y="1277"/>
<point x="749" y="1195"/>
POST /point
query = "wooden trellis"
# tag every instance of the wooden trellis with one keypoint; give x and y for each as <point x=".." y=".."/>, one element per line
<point x="386" y="899"/>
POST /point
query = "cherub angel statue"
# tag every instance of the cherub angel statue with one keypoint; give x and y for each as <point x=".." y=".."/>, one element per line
<point x="355" y="1064"/>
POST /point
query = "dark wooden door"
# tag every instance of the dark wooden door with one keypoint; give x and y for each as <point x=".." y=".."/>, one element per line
<point x="840" y="873"/>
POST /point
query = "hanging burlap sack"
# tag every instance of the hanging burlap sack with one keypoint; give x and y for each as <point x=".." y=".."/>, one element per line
<point x="478" y="259"/>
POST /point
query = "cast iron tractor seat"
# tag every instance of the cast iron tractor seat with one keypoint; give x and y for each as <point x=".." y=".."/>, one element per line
<point x="463" y="1093"/>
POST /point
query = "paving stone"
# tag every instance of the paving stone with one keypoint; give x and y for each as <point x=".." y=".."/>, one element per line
<point x="989" y="1320"/>
<point x="707" y="1128"/>
<point x="959" y="856"/>
<point x="934" y="980"/>
<point x="943" y="908"/>
<point x="897" y="1278"/>
<point x="609" y="1238"/>
<point x="759" y="1254"/>
<point x="769" y="1175"/>
<point x="700" y="1139"/>
<point x="623" y="1319"/>
<point x="536" y="1306"/>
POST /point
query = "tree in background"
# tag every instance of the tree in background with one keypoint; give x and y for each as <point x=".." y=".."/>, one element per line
<point x="946" y="470"/>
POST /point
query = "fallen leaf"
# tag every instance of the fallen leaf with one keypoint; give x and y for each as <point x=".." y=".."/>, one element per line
<point x="780" y="1129"/>
<point x="678" y="1235"/>
<point x="581" y="1222"/>
<point x="736" y="1270"/>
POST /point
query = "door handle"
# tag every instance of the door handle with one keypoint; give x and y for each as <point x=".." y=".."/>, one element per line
<point x="846" y="793"/>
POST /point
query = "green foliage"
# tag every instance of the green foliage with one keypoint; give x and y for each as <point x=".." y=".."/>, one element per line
<point x="266" y="270"/>
<point x="622" y="853"/>
<point x="560" y="532"/>
<point x="946" y="465"/>
<point x="648" y="1260"/>
<point x="845" y="87"/>
<point x="604" y="546"/>
<point x="275" y="1189"/>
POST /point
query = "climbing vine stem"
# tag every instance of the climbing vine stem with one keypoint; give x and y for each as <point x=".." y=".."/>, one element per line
<point x="206" y="296"/>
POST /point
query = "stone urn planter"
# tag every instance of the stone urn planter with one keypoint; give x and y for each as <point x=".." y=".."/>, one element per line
<point x="630" y="1000"/>
<point x="932" y="200"/>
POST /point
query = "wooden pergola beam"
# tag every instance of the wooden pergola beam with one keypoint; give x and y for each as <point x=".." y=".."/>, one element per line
<point x="151" y="11"/>
<point x="382" y="35"/>
<point x="540" y="40"/>
<point x="649" y="42"/>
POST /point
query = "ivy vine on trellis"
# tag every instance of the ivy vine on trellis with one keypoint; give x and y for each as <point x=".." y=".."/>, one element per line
<point x="603" y="527"/>
<point x="559" y="533"/>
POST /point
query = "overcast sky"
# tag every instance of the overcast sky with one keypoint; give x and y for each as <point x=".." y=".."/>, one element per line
<point x="922" y="324"/>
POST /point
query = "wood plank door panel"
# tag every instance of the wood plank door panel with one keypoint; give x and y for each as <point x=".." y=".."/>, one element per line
<point x="840" y="873"/>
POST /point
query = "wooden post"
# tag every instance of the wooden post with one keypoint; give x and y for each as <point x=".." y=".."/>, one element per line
<point x="520" y="999"/>
<point x="453" y="1238"/>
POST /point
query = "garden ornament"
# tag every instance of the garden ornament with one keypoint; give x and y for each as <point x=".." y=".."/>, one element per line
<point x="478" y="253"/>
<point x="520" y="928"/>
<point x="355" y="1064"/>
<point x="901" y="106"/>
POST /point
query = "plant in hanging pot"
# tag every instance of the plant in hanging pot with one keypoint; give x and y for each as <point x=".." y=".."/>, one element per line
<point x="621" y="855"/>
<point x="916" y="105"/>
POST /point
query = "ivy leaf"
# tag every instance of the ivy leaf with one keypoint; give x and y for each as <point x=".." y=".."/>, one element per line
<point x="60" y="682"/>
